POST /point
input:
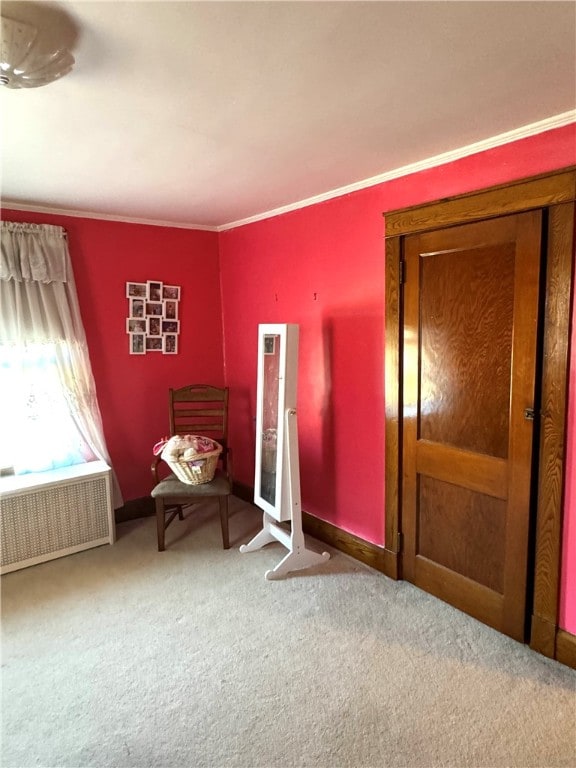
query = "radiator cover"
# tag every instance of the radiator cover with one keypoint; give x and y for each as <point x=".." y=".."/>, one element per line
<point x="52" y="514"/>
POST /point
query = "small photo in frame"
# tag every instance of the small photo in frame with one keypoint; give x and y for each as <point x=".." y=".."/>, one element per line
<point x="153" y="343"/>
<point x="170" y="326"/>
<point x="269" y="345"/>
<point x="171" y="292"/>
<point x="154" y="326"/>
<point x="170" y="344"/>
<point x="154" y="308"/>
<point x="136" y="290"/>
<point x="136" y="307"/>
<point x="137" y="346"/>
<point x="154" y="291"/>
<point x="135" y="325"/>
<point x="171" y="309"/>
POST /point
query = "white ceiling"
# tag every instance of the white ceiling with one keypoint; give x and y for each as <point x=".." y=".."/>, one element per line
<point x="208" y="113"/>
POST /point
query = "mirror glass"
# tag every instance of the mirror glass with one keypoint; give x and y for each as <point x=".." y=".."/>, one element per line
<point x="269" y="437"/>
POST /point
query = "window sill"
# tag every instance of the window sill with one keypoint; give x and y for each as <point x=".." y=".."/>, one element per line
<point x="11" y="484"/>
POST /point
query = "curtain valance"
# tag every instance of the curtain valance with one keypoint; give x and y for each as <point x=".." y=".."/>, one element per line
<point x="33" y="252"/>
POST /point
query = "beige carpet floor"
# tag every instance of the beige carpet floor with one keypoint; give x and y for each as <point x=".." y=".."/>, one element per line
<point x="125" y="657"/>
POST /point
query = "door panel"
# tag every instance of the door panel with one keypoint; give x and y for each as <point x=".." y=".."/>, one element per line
<point x="470" y="329"/>
<point x="462" y="530"/>
<point x="465" y="344"/>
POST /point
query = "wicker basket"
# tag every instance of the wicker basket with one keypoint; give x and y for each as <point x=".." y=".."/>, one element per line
<point x="195" y="468"/>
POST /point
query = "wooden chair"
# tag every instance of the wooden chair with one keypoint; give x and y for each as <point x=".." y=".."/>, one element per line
<point x="198" y="409"/>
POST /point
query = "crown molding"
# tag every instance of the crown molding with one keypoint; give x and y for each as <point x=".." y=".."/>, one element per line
<point x="557" y="121"/>
<point x="103" y="216"/>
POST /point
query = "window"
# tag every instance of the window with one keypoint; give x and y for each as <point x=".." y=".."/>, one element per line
<point x="49" y="411"/>
<point x="38" y="431"/>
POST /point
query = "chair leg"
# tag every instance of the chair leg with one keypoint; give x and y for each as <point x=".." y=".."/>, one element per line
<point x="160" y="523"/>
<point x="223" y="503"/>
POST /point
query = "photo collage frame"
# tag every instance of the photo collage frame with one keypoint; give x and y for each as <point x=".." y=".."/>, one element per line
<point x="153" y="322"/>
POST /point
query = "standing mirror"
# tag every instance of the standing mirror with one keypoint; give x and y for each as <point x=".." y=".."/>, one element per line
<point x="277" y="362"/>
<point x="277" y="470"/>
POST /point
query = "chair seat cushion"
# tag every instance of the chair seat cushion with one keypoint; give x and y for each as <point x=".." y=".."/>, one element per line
<point x="171" y="486"/>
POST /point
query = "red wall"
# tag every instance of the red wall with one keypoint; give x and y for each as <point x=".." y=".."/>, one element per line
<point x="323" y="267"/>
<point x="132" y="389"/>
<point x="568" y="580"/>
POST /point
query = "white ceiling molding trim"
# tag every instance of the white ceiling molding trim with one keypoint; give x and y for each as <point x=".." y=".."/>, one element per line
<point x="103" y="216"/>
<point x="556" y="121"/>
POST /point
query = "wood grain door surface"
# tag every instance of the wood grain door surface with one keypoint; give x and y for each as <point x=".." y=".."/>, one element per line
<point x="470" y="346"/>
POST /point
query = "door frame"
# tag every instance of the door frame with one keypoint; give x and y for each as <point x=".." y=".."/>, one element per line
<point x="555" y="194"/>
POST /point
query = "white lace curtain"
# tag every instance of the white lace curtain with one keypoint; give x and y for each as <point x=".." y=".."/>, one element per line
<point x="39" y="310"/>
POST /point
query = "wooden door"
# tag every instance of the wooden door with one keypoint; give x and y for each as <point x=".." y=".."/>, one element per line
<point x="470" y="345"/>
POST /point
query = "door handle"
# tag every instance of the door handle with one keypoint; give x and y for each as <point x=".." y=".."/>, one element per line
<point x="529" y="414"/>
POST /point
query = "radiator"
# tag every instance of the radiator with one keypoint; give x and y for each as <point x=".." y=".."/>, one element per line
<point x="51" y="514"/>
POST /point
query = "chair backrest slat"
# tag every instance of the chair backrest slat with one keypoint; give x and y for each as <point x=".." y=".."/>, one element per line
<point x="197" y="393"/>
<point x="209" y="418"/>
